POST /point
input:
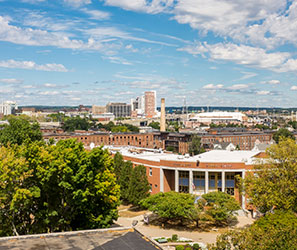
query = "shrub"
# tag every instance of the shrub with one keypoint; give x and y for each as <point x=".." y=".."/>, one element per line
<point x="174" y="237"/>
<point x="188" y="248"/>
<point x="180" y="247"/>
<point x="196" y="246"/>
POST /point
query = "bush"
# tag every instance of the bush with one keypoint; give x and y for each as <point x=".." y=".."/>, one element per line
<point x="188" y="248"/>
<point x="196" y="246"/>
<point x="180" y="247"/>
<point x="174" y="237"/>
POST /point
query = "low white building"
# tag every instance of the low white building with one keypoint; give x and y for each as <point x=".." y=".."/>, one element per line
<point x="213" y="117"/>
<point x="8" y="107"/>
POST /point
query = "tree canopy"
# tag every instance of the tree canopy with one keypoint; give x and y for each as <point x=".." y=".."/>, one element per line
<point x="48" y="188"/>
<point x="282" y="132"/>
<point x="195" y="146"/>
<point x="274" y="182"/>
<point x="18" y="131"/>
<point x="276" y="231"/>
<point x="76" y="123"/>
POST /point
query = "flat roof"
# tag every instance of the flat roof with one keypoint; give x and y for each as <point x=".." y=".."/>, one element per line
<point x="213" y="156"/>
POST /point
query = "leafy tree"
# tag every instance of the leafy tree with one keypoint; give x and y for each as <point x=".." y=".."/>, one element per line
<point x="138" y="186"/>
<point x="58" y="187"/>
<point x="222" y="206"/>
<point x="76" y="123"/>
<point x="125" y="180"/>
<point x="274" y="183"/>
<point x="170" y="205"/>
<point x="282" y="132"/>
<point x="18" y="131"/>
<point x="119" y="129"/>
<point x="293" y="124"/>
<point x="195" y="146"/>
<point x="118" y="164"/>
<point x="198" y="213"/>
<point x="273" y="231"/>
<point x="155" y="125"/>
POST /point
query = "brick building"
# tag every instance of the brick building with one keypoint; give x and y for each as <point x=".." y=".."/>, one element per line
<point x="215" y="170"/>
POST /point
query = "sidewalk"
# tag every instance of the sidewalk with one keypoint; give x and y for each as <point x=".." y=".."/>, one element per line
<point x="155" y="231"/>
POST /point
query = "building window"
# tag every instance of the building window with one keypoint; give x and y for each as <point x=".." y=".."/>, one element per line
<point x="156" y="185"/>
<point x="151" y="187"/>
<point x="198" y="181"/>
<point x="150" y="172"/>
<point x="183" y="181"/>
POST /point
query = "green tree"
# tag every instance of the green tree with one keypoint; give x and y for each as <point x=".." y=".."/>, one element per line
<point x="61" y="187"/>
<point x="195" y="146"/>
<point x="276" y="231"/>
<point x="18" y="131"/>
<point x="76" y="123"/>
<point x="222" y="207"/>
<point x="274" y="182"/>
<point x="138" y="186"/>
<point x="170" y="205"/>
<point x="282" y="132"/>
<point x="155" y="125"/>
<point x="125" y="180"/>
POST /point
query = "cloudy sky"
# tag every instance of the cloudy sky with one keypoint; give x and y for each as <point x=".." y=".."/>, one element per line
<point x="214" y="52"/>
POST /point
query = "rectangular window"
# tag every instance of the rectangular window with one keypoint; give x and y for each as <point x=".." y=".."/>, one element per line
<point x="150" y="172"/>
<point x="151" y="187"/>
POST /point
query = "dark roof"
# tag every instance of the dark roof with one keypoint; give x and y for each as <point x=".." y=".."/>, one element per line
<point x="111" y="239"/>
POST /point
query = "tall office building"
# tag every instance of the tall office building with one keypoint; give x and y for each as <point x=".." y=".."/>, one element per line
<point x="119" y="109"/>
<point x="8" y="108"/>
<point x="150" y="104"/>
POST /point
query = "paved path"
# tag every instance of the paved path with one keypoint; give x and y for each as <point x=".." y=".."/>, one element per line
<point x="155" y="231"/>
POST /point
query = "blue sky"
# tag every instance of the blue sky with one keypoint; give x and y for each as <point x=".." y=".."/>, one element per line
<point x="214" y="52"/>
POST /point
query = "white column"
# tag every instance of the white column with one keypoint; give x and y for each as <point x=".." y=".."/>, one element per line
<point x="191" y="181"/>
<point x="223" y="181"/>
<point x="176" y="180"/>
<point x="243" y="194"/>
<point x="161" y="180"/>
<point x="206" y="182"/>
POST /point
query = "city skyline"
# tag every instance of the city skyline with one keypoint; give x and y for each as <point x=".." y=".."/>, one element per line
<point x="219" y="53"/>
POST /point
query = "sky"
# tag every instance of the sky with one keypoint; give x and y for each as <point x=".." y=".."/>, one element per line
<point x="205" y="53"/>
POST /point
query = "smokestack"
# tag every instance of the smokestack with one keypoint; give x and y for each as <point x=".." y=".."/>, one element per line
<point x="163" y="119"/>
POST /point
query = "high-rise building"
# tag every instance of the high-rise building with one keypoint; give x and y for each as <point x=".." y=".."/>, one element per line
<point x="150" y="104"/>
<point x="119" y="109"/>
<point x="163" y="118"/>
<point x="8" y="108"/>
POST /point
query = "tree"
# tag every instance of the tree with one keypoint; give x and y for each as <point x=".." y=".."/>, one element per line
<point x="222" y="206"/>
<point x="282" y="132"/>
<point x="170" y="205"/>
<point x="76" y="123"/>
<point x="58" y="187"/>
<point x="155" y="125"/>
<point x="273" y="231"/>
<point x="274" y="182"/>
<point x="18" y="131"/>
<point x="195" y="146"/>
<point x="125" y="180"/>
<point x="138" y="186"/>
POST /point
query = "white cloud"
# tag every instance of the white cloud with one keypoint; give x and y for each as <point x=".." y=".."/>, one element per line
<point x="49" y="93"/>
<point x="50" y="85"/>
<point x="272" y="82"/>
<point x="11" y="81"/>
<point x="97" y="14"/>
<point x="245" y="55"/>
<point x="117" y="60"/>
<point x="294" y="88"/>
<point x="238" y="86"/>
<point x="263" y="92"/>
<point x="32" y="66"/>
<point x="212" y="86"/>
<point x="77" y="3"/>
<point x="152" y="7"/>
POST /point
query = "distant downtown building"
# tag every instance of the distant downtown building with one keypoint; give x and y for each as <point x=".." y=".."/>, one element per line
<point x="145" y="105"/>
<point x="119" y="109"/>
